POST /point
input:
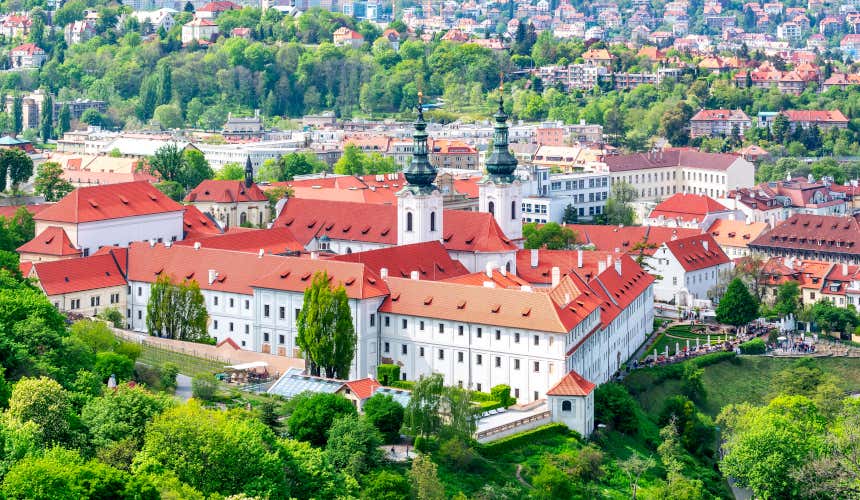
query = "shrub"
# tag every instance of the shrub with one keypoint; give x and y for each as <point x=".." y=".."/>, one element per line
<point x="502" y="393"/>
<point x="129" y="350"/>
<point x="204" y="386"/>
<point x="457" y="454"/>
<point x="149" y="376"/>
<point x="387" y="374"/>
<point x="504" y="445"/>
<point x="111" y="363"/>
<point x="614" y="406"/>
<point x="113" y="316"/>
<point x="754" y="346"/>
<point x="314" y="415"/>
<point x="167" y="378"/>
<point x="386" y="415"/>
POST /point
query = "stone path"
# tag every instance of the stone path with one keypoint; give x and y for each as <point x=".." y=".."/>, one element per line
<point x="520" y="477"/>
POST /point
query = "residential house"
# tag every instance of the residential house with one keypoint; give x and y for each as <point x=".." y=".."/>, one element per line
<point x="690" y="268"/>
<point x="815" y="237"/>
<point x="27" y="56"/>
<point x="231" y="203"/>
<point x="719" y="122"/>
<point x="734" y="235"/>
<point x="86" y="285"/>
<point x="199" y="30"/>
<point x="344" y="36"/>
<point x="693" y="211"/>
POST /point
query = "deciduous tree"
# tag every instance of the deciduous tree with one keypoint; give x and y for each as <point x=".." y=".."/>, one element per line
<point x="177" y="311"/>
<point x="50" y="182"/>
<point x="314" y="415"/>
<point x="325" y="331"/>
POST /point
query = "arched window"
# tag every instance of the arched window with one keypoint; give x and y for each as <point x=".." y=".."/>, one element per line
<point x="508" y="269"/>
<point x="243" y="218"/>
<point x="432" y="221"/>
<point x="491" y="207"/>
<point x="409" y="221"/>
<point x="348" y="250"/>
<point x="565" y="406"/>
<point x="513" y="210"/>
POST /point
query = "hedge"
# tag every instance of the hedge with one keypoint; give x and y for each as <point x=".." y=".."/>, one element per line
<point x="504" y="445"/>
<point x="403" y="384"/>
<point x="387" y="374"/>
<point x="754" y="346"/>
<point x="658" y="374"/>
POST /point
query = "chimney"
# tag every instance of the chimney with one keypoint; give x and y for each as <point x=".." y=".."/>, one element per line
<point x="705" y="245"/>
<point x="556" y="276"/>
<point x="315" y="255"/>
<point x="196" y="245"/>
<point x="261" y="253"/>
<point x="383" y="273"/>
<point x="579" y="259"/>
<point x="489" y="284"/>
<point x="213" y="275"/>
<point x="618" y="266"/>
<point x="608" y="261"/>
<point x="489" y="269"/>
<point x="535" y="254"/>
<point x="414" y="275"/>
<point x="845" y="269"/>
<point x="167" y="244"/>
<point x="601" y="266"/>
<point x="151" y="243"/>
<point x="526" y="288"/>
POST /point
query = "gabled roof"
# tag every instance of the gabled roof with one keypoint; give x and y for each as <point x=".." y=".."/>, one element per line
<point x="625" y="238"/>
<point x="693" y="256"/>
<point x="430" y="259"/>
<point x="500" y="279"/>
<point x="9" y="210"/>
<point x="240" y="272"/>
<point x="795" y="115"/>
<point x="29" y="48"/>
<point x="674" y="157"/>
<point x="687" y="207"/>
<point x="113" y="201"/>
<point x="463" y="231"/>
<point x="196" y="224"/>
<point x="52" y="241"/>
<point x="489" y="306"/>
<point x="225" y="192"/>
<point x="567" y="262"/>
<point x="573" y="384"/>
<point x="720" y="115"/>
<point x="77" y="275"/>
<point x="818" y="233"/>
<point x="363" y="388"/>
<point x="277" y="240"/>
<point x="220" y="6"/>
<point x="736" y="233"/>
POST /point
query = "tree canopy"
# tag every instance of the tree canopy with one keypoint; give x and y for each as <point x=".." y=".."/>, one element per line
<point x="737" y="306"/>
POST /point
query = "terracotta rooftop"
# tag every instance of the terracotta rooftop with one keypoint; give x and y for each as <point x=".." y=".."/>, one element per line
<point x="225" y="192"/>
<point x="817" y="233"/>
<point x="363" y="388"/>
<point x="78" y="275"/>
<point x="430" y="259"/>
<point x="670" y="158"/>
<point x="693" y="256"/>
<point x="276" y="240"/>
<point x="573" y="384"/>
<point x="687" y="207"/>
<point x="736" y="233"/>
<point x="113" y="201"/>
<point x="52" y="241"/>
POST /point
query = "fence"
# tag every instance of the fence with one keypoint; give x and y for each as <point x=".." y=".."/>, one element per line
<point x="507" y="428"/>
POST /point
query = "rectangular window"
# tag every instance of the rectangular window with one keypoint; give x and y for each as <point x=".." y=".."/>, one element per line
<point x="266" y="311"/>
<point x="479" y="332"/>
<point x="516" y="337"/>
<point x="537" y="366"/>
<point x="498" y="362"/>
<point x="372" y="319"/>
<point x="516" y="364"/>
<point x="403" y="349"/>
<point x="478" y="387"/>
<point x="421" y="325"/>
<point x="536" y="395"/>
<point x="537" y="339"/>
<point x="247" y="304"/>
<point x="265" y="336"/>
<point x="386" y="348"/>
<point x="282" y="312"/>
<point x="247" y="329"/>
<point x="387" y="321"/>
<point x="139" y="314"/>
<point x="479" y="359"/>
<point x="230" y="325"/>
<point x="441" y="353"/>
<point x="281" y="339"/>
<point x="215" y="324"/>
<point x="298" y="311"/>
<point x="231" y="302"/>
<point x="441" y="327"/>
<point x="215" y="300"/>
<point x="517" y="393"/>
<point x="421" y="351"/>
<point x="139" y="291"/>
<point x="460" y="330"/>
<point x="498" y="335"/>
<point x="459" y="357"/>
<point x="404" y="324"/>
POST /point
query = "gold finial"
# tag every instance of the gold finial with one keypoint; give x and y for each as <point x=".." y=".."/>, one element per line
<point x="420" y="96"/>
<point x="501" y="81"/>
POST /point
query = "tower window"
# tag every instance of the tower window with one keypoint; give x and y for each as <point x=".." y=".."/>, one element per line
<point x="513" y="210"/>
<point x="432" y="221"/>
<point x="491" y="207"/>
<point x="409" y="221"/>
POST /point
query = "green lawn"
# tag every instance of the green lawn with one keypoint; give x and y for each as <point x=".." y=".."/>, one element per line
<point x="677" y="336"/>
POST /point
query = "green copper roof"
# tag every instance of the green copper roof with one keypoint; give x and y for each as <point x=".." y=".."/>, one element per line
<point x="501" y="164"/>
<point x="420" y="174"/>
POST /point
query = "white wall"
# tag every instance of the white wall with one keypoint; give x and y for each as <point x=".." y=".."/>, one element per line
<point x="162" y="227"/>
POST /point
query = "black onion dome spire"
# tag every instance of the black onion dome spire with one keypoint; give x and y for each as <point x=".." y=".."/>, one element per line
<point x="420" y="174"/>
<point x="249" y="172"/>
<point x="501" y="164"/>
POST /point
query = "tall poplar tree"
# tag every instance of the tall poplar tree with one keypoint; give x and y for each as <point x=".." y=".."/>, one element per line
<point x="46" y="125"/>
<point x="177" y="311"/>
<point x="326" y="334"/>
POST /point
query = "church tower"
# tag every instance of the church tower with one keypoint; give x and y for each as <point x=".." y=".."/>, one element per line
<point x="249" y="173"/>
<point x="500" y="192"/>
<point x="419" y="204"/>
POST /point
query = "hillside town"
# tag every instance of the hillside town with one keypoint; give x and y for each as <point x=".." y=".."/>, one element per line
<point x="367" y="249"/>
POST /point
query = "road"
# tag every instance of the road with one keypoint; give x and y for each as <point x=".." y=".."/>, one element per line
<point x="183" y="387"/>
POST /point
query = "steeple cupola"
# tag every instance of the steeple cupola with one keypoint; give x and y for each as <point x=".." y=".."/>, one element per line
<point x="420" y="174"/>
<point x="501" y="164"/>
<point x="249" y="173"/>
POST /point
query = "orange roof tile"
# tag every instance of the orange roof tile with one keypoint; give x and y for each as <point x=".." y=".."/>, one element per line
<point x="430" y="259"/>
<point x="113" y="201"/>
<point x="573" y="384"/>
<point x="276" y="240"/>
<point x="687" y="207"/>
<point x="736" y="233"/>
<point x="77" y="275"/>
<point x="225" y="192"/>
<point x="363" y="388"/>
<point x="196" y="224"/>
<point x="692" y="255"/>
<point x="52" y="241"/>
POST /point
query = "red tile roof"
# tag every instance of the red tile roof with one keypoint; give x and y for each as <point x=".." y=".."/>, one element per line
<point x="489" y="306"/>
<point x="218" y="7"/>
<point x="10" y="210"/>
<point x="430" y="259"/>
<point x="565" y="260"/>
<point x="835" y="116"/>
<point x="277" y="240"/>
<point x="363" y="388"/>
<point x="816" y="233"/>
<point x="573" y="384"/>
<point x="736" y="233"/>
<point x="670" y="158"/>
<point x="52" y="241"/>
<point x="692" y="255"/>
<point x="463" y="231"/>
<point x="196" y="224"/>
<point x="506" y="280"/>
<point x="77" y="275"/>
<point x="225" y="192"/>
<point x="26" y="267"/>
<point x="618" y="291"/>
<point x="113" y="201"/>
<point x="719" y="115"/>
<point x="624" y="238"/>
<point x="239" y="272"/>
<point x="29" y="48"/>
<point x="687" y="207"/>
